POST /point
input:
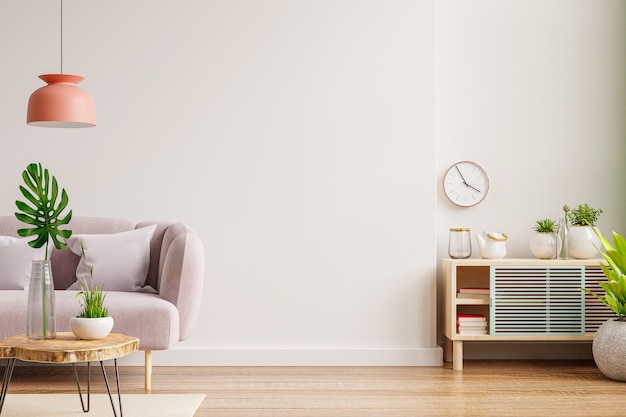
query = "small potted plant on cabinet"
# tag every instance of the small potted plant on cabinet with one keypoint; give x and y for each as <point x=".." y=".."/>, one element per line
<point x="93" y="321"/>
<point x="582" y="236"/>
<point x="609" y="350"/>
<point x="543" y="242"/>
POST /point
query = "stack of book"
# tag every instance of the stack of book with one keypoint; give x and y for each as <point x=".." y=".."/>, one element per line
<point x="473" y="292"/>
<point x="471" y="324"/>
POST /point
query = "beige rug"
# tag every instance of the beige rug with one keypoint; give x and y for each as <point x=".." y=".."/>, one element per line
<point x="133" y="405"/>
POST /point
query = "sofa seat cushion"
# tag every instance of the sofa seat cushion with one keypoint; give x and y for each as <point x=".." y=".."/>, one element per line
<point x="152" y="319"/>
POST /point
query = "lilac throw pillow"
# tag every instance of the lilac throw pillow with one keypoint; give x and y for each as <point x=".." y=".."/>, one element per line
<point x="120" y="261"/>
<point x="16" y="262"/>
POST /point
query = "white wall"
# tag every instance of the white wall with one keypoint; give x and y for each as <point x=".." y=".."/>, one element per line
<point x="297" y="138"/>
<point x="535" y="91"/>
<point x="304" y="141"/>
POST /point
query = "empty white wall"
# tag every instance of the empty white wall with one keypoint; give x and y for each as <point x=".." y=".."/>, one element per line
<point x="296" y="137"/>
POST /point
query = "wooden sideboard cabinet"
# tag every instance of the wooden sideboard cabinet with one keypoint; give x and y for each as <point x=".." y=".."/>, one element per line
<point x="529" y="300"/>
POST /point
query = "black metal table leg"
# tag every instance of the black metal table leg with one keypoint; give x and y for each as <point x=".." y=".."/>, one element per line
<point x="106" y="381"/>
<point x="119" y="392"/>
<point x="8" y="372"/>
<point x="80" y="393"/>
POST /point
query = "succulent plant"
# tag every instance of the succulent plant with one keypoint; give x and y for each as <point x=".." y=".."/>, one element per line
<point x="545" y="226"/>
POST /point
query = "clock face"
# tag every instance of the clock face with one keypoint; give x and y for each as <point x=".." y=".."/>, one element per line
<point x="466" y="183"/>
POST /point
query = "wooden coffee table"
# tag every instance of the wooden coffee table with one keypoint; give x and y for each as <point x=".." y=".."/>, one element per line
<point x="66" y="348"/>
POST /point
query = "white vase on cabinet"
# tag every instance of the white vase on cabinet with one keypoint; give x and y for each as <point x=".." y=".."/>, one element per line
<point x="543" y="245"/>
<point x="583" y="242"/>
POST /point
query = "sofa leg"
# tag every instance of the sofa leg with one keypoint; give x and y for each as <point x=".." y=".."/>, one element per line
<point x="148" y="369"/>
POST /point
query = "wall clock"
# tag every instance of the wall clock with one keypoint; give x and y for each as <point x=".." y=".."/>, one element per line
<point x="466" y="183"/>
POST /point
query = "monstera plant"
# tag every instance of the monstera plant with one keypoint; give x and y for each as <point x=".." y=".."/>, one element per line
<point x="42" y="191"/>
<point x="43" y="213"/>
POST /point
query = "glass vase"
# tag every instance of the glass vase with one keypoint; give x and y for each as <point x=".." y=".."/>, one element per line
<point x="41" y="322"/>
<point x="459" y="244"/>
<point x="563" y="240"/>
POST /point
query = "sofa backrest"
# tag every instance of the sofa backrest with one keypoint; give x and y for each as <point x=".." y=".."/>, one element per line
<point x="65" y="262"/>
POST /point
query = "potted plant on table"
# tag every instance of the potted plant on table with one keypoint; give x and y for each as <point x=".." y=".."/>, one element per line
<point x="583" y="241"/>
<point x="44" y="215"/>
<point x="609" y="350"/>
<point x="93" y="321"/>
<point x="543" y="241"/>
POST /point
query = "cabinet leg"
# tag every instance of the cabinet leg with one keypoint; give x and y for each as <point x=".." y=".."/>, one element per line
<point x="457" y="351"/>
<point x="447" y="351"/>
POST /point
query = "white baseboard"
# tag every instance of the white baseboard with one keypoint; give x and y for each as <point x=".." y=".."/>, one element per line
<point x="290" y="357"/>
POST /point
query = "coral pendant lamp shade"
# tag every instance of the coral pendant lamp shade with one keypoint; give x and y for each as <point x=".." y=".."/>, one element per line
<point x="61" y="103"/>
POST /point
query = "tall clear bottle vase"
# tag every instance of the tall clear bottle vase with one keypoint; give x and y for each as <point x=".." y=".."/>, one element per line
<point x="563" y="239"/>
<point x="41" y="323"/>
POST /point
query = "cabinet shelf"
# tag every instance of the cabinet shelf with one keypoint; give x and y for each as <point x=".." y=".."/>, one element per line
<point x="530" y="300"/>
<point x="521" y="338"/>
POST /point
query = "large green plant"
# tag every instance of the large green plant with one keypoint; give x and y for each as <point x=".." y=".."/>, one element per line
<point x="44" y="214"/>
<point x="615" y="271"/>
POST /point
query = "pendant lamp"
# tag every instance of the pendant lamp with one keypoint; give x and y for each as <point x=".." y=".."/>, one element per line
<point x="61" y="103"/>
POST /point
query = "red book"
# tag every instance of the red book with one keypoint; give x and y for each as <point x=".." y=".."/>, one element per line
<point x="470" y="317"/>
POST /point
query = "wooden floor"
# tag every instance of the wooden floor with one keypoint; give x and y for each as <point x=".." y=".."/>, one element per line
<point x="483" y="389"/>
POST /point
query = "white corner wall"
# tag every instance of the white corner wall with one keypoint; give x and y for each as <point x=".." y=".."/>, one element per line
<point x="534" y="91"/>
<point x="296" y="137"/>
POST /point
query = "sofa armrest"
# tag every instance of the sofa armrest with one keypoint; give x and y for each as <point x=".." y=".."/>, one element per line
<point x="181" y="274"/>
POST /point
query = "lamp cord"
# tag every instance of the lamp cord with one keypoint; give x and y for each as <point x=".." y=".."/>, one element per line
<point x="61" y="36"/>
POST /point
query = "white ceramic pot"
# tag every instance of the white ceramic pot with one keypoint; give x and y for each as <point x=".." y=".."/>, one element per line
<point x="91" y="328"/>
<point x="583" y="242"/>
<point x="492" y="245"/>
<point x="609" y="349"/>
<point x="543" y="245"/>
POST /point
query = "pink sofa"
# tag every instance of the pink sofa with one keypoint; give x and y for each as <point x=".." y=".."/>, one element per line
<point x="176" y="272"/>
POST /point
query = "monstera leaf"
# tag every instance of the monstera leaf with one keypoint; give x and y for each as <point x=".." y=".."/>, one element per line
<point x="42" y="191"/>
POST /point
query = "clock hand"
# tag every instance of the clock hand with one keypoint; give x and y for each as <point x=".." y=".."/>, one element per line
<point x="462" y="177"/>
<point x="473" y="188"/>
<point x="465" y="182"/>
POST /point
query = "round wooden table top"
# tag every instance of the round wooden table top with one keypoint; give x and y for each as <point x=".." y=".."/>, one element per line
<point x="67" y="348"/>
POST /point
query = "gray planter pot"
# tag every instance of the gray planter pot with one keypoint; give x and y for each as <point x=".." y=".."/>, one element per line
<point x="609" y="349"/>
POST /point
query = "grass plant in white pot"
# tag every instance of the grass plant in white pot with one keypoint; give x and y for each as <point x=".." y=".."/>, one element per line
<point x="93" y="321"/>
<point x="583" y="242"/>
<point x="609" y="347"/>
<point x="544" y="241"/>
